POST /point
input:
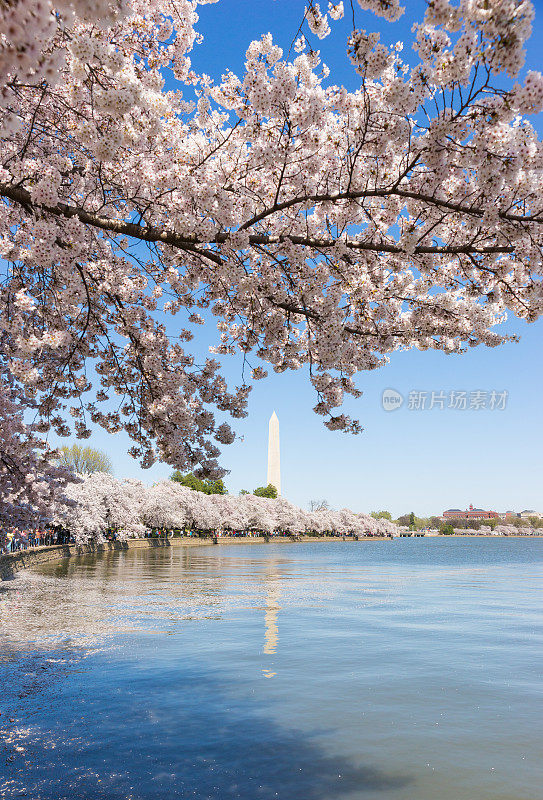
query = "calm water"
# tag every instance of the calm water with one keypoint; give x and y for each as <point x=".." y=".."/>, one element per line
<point x="408" y="670"/>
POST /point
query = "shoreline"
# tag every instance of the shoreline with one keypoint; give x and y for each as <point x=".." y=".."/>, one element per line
<point x="11" y="563"/>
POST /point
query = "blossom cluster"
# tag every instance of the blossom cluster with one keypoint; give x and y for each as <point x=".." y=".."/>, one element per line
<point x="498" y="530"/>
<point x="101" y="502"/>
<point x="31" y="481"/>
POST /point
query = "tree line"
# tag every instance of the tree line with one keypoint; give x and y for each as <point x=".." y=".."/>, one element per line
<point x="413" y="522"/>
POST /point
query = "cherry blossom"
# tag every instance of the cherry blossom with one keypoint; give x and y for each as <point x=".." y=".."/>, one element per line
<point x="323" y="229"/>
<point x="31" y="481"/>
<point x="100" y="502"/>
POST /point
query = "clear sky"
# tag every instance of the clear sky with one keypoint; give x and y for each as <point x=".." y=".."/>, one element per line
<point x="420" y="460"/>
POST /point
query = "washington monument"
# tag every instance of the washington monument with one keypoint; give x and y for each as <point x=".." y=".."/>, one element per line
<point x="274" y="459"/>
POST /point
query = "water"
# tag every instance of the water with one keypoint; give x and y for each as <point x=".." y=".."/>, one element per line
<point x="408" y="670"/>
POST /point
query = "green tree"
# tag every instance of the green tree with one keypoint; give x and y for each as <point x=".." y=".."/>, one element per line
<point x="189" y="480"/>
<point x="198" y="485"/>
<point x="457" y="522"/>
<point x="84" y="460"/>
<point x="217" y="487"/>
<point x="412" y="520"/>
<point x="381" y="515"/>
<point x="244" y="491"/>
<point x="448" y="530"/>
<point x="266" y="491"/>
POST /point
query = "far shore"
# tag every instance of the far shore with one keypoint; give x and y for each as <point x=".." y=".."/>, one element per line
<point x="472" y="536"/>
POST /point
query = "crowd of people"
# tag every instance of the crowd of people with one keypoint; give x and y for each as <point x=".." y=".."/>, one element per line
<point x="13" y="539"/>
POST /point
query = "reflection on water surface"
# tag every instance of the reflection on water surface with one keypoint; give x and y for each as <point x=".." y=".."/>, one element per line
<point x="406" y="669"/>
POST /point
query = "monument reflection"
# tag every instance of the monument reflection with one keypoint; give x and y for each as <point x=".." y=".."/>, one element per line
<point x="271" y="629"/>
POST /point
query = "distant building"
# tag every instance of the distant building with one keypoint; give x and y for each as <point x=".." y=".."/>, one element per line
<point x="453" y="513"/>
<point x="480" y="513"/>
<point x="470" y="513"/>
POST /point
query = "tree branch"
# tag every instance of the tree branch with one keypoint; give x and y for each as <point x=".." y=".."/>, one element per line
<point x="149" y="233"/>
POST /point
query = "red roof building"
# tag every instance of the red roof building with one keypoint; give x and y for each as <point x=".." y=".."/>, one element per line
<point x="470" y="513"/>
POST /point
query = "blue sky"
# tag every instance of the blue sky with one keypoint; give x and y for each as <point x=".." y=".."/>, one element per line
<point x="421" y="460"/>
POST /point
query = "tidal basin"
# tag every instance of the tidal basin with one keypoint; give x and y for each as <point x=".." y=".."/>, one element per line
<point x="408" y="669"/>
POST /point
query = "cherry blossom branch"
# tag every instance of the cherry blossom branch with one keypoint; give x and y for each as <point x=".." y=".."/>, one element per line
<point x="153" y="234"/>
